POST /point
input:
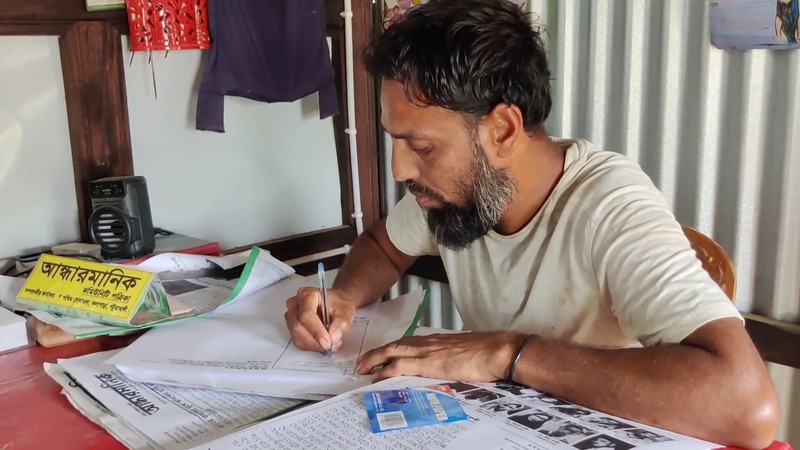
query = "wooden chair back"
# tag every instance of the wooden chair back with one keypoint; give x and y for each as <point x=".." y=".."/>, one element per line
<point x="777" y="341"/>
<point x="714" y="259"/>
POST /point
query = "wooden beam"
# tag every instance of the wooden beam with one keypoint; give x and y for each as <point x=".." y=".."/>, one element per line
<point x="305" y="244"/>
<point x="55" y="17"/>
<point x="52" y="17"/>
<point x="777" y="341"/>
<point x="310" y="268"/>
<point x="97" y="109"/>
<point x="333" y="15"/>
<point x="366" y="121"/>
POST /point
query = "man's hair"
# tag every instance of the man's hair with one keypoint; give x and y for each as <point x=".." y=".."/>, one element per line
<point x="467" y="56"/>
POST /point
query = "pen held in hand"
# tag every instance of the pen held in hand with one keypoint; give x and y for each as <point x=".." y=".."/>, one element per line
<point x="325" y="316"/>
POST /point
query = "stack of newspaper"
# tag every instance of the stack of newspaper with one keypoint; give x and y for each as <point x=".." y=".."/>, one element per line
<point x="231" y="378"/>
<point x="146" y="416"/>
<point x="192" y="382"/>
<point x="502" y="416"/>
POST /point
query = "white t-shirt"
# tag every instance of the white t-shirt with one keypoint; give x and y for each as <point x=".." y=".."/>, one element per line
<point x="602" y="263"/>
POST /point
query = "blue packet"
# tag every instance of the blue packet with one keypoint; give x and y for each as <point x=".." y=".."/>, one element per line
<point x="399" y="409"/>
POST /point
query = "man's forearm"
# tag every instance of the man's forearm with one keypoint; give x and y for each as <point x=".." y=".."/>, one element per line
<point x="683" y="388"/>
<point x="368" y="272"/>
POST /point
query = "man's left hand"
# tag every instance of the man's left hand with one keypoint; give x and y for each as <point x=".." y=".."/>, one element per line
<point x="478" y="357"/>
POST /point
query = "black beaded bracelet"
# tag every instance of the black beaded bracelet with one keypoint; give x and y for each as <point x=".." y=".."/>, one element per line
<point x="519" y="353"/>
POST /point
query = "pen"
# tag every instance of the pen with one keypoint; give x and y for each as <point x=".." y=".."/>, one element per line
<point x="323" y="290"/>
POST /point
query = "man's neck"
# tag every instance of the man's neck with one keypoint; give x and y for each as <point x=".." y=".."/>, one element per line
<point x="537" y="170"/>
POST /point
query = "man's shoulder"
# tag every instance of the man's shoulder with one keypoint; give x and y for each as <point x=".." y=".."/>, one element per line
<point x="586" y="162"/>
<point x="596" y="179"/>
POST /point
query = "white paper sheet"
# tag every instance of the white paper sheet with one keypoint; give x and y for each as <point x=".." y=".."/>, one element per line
<point x="13" y="331"/>
<point x="207" y="294"/>
<point x="246" y="348"/>
<point x="511" y="418"/>
<point x="171" y="418"/>
<point x="181" y="262"/>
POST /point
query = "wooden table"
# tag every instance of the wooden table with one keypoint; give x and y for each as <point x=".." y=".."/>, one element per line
<point x="34" y="415"/>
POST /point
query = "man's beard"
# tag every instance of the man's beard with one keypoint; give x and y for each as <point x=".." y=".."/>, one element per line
<point x="487" y="192"/>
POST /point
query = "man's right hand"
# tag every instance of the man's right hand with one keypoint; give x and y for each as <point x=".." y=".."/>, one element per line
<point x="304" y="319"/>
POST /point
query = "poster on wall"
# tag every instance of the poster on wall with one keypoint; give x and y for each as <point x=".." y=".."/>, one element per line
<point x="393" y="10"/>
<point x="755" y="24"/>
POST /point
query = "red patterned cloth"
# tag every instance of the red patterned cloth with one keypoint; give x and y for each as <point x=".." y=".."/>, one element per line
<point x="168" y="24"/>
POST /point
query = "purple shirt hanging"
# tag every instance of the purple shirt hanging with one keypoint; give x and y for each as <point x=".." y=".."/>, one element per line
<point x="265" y="50"/>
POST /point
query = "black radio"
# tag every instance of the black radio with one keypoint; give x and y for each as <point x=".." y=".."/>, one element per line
<point x="121" y="222"/>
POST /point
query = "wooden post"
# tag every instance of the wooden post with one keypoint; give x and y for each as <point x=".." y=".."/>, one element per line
<point x="97" y="110"/>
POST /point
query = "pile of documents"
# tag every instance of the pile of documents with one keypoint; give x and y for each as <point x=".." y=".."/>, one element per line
<point x="230" y="378"/>
<point x="190" y="382"/>
<point x="190" y="285"/>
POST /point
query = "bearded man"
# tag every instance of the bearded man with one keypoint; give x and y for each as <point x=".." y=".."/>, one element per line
<point x="564" y="261"/>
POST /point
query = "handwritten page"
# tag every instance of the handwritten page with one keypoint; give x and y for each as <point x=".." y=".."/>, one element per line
<point x="502" y="416"/>
<point x="172" y="418"/>
<point x="247" y="348"/>
<point x="342" y="362"/>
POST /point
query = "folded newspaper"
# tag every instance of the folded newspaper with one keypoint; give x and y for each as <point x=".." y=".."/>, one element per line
<point x="502" y="416"/>
<point x="150" y="416"/>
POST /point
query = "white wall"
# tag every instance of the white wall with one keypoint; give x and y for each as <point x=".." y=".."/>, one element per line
<point x="273" y="173"/>
<point x="37" y="188"/>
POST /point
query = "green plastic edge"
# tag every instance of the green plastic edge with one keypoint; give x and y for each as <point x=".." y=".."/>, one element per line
<point x="251" y="261"/>
<point x="420" y="311"/>
<point x="107" y="7"/>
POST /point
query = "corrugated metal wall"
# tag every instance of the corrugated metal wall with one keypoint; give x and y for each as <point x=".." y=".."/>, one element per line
<point x="717" y="131"/>
<point x="712" y="128"/>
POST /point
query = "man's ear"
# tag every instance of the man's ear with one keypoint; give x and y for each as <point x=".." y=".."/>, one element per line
<point x="500" y="131"/>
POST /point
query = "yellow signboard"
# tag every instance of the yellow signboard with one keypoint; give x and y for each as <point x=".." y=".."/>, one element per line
<point x="95" y="291"/>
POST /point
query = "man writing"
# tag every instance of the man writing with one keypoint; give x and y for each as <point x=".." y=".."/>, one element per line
<point x="564" y="261"/>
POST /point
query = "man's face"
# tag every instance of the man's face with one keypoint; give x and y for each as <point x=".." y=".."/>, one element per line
<point x="508" y="406"/>
<point x="602" y="442"/>
<point x="441" y="161"/>
<point x="538" y="417"/>
<point x="605" y="421"/>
